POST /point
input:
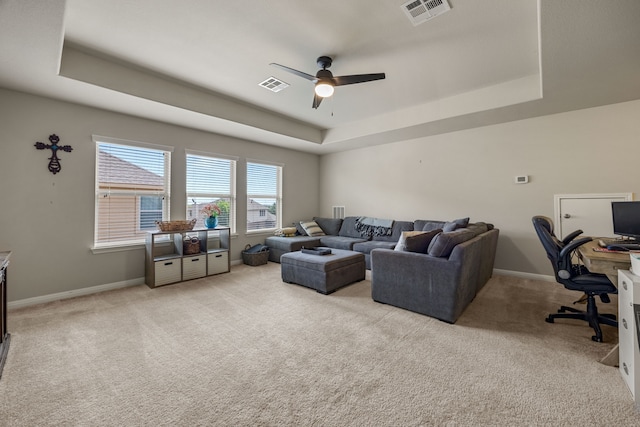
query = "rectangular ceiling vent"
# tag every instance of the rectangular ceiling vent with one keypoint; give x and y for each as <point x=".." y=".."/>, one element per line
<point x="274" y="85"/>
<point x="419" y="11"/>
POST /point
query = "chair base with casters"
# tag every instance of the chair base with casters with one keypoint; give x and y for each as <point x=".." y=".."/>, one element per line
<point x="591" y="315"/>
<point x="575" y="277"/>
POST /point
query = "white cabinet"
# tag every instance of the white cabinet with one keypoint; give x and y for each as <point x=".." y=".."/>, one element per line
<point x="628" y="311"/>
<point x="169" y="260"/>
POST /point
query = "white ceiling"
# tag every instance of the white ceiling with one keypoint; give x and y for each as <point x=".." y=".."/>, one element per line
<point x="198" y="63"/>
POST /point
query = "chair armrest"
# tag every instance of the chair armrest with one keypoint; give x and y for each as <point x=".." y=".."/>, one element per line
<point x="572" y="246"/>
<point x="571" y="236"/>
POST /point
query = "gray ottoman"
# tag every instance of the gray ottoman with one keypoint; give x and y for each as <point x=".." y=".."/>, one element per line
<point x="324" y="273"/>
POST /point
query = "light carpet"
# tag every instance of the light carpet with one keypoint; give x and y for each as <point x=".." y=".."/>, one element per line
<point x="246" y="349"/>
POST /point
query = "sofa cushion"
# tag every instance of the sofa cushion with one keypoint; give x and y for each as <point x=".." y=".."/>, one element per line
<point x="478" y="227"/>
<point x="330" y="226"/>
<point x="367" y="247"/>
<point x="427" y="225"/>
<point x="396" y="231"/>
<point x="312" y="228"/>
<point x="443" y="243"/>
<point x="455" y="224"/>
<point x="290" y="244"/>
<point x="348" y="227"/>
<point x="340" y="242"/>
<point x="416" y="241"/>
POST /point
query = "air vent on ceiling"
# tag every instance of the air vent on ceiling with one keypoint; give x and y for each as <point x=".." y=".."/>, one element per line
<point x="419" y="11"/>
<point x="274" y="84"/>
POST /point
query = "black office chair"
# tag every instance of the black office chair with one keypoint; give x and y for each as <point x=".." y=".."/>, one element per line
<point x="575" y="277"/>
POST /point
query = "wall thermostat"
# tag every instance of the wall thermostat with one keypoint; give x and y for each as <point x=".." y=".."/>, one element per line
<point x="522" y="179"/>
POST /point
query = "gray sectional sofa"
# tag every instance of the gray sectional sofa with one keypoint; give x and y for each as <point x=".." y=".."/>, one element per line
<point x="442" y="284"/>
<point x="430" y="267"/>
<point x="338" y="234"/>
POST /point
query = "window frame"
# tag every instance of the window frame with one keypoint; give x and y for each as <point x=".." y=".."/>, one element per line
<point x="101" y="244"/>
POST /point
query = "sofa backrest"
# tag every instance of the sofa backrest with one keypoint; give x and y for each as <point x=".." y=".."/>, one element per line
<point x="348" y="228"/>
<point x="443" y="244"/>
<point x="396" y="231"/>
<point x="330" y="226"/>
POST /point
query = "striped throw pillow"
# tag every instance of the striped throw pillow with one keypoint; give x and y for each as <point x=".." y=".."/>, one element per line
<point x="312" y="228"/>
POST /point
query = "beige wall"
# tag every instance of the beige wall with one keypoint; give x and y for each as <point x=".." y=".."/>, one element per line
<point x="471" y="173"/>
<point x="47" y="220"/>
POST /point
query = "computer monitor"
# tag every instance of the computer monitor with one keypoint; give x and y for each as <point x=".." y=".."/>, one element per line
<point x="626" y="219"/>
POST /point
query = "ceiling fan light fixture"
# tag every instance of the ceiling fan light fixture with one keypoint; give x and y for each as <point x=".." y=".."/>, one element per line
<point x="324" y="89"/>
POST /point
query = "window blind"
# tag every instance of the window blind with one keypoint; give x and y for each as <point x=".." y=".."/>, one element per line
<point x="264" y="199"/>
<point x="211" y="180"/>
<point x="132" y="192"/>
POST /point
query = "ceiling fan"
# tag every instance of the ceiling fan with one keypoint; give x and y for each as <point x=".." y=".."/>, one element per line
<point x="324" y="80"/>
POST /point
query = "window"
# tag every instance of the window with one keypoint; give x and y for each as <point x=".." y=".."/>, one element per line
<point x="132" y="190"/>
<point x="211" y="180"/>
<point x="264" y="196"/>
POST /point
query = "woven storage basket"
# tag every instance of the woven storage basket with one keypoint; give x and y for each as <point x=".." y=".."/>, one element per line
<point x="258" y="258"/>
<point x="176" y="225"/>
<point x="191" y="245"/>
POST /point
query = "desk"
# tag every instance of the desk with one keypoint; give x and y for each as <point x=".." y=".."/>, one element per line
<point x="606" y="263"/>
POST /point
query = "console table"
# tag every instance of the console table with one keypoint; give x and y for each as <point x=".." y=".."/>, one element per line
<point x="4" y="335"/>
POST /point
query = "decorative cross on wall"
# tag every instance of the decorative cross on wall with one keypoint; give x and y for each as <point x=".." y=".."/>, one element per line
<point x="54" y="162"/>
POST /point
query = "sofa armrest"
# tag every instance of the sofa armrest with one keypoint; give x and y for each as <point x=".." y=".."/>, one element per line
<point x="395" y="266"/>
<point x="438" y="287"/>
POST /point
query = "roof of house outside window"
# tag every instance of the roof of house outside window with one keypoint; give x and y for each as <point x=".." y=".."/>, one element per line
<point x="128" y="173"/>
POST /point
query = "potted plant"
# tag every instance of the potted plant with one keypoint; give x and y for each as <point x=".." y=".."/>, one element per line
<point x="210" y="212"/>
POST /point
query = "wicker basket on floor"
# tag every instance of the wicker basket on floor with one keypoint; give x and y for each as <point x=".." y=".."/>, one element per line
<point x="254" y="259"/>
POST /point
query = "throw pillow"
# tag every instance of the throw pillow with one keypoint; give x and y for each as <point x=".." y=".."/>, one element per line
<point x="330" y="226"/>
<point x="299" y="228"/>
<point x="416" y="241"/>
<point x="420" y="242"/>
<point x="286" y="232"/>
<point x="402" y="241"/>
<point x="443" y="244"/>
<point x="312" y="228"/>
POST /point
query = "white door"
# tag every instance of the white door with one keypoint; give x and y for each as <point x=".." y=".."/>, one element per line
<point x="590" y="213"/>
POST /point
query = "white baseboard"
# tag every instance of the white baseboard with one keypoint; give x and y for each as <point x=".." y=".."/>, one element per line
<point x="141" y="281"/>
<point x="75" y="293"/>
<point x="522" y="275"/>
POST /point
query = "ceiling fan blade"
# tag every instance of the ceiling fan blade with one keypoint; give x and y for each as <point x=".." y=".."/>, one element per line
<point x="316" y="100"/>
<point x="296" y="72"/>
<point x="357" y="78"/>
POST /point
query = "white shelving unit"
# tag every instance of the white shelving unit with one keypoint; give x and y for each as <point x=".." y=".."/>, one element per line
<point x="628" y="312"/>
<point x="167" y="263"/>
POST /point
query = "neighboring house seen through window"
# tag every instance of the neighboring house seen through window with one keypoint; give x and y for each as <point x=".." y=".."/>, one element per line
<point x="132" y="191"/>
<point x="211" y="179"/>
<point x="264" y="196"/>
